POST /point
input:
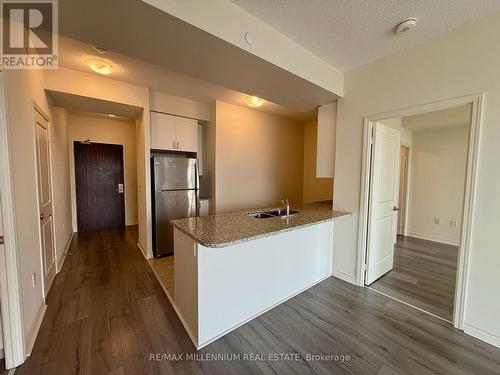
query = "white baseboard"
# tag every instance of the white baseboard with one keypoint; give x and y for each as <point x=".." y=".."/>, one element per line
<point x="433" y="238"/>
<point x="31" y="338"/>
<point x="66" y="248"/>
<point x="344" y="276"/>
<point x="144" y="254"/>
<point x="482" y="335"/>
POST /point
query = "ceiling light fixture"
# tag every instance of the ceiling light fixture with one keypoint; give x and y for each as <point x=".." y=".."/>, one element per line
<point x="99" y="66"/>
<point x="253" y="101"/>
<point x="111" y="115"/>
<point x="406" y="25"/>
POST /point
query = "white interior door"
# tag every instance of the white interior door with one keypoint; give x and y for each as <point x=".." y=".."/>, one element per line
<point x="383" y="201"/>
<point x="45" y="200"/>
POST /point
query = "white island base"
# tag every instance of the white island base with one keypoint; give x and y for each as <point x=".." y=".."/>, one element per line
<point x="220" y="289"/>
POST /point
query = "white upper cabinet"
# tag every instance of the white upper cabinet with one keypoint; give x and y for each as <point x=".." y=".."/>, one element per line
<point x="162" y="131"/>
<point x="325" y="156"/>
<point x="186" y="133"/>
<point x="173" y="133"/>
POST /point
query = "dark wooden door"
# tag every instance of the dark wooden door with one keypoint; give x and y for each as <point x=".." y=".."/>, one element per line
<point x="98" y="174"/>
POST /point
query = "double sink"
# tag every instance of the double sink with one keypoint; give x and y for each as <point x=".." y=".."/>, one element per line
<point x="272" y="213"/>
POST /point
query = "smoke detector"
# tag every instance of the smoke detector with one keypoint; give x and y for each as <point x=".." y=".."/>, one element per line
<point x="406" y="25"/>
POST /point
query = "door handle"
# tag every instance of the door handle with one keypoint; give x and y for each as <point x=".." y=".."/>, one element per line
<point x="120" y="189"/>
<point x="395" y="208"/>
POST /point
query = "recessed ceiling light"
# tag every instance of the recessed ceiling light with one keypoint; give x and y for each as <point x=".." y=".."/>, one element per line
<point x="253" y="101"/>
<point x="99" y="66"/>
<point x="406" y="25"/>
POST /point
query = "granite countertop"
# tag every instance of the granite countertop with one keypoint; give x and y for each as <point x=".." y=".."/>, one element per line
<point x="231" y="228"/>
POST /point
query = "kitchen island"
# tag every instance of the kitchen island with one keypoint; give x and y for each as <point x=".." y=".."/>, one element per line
<point x="230" y="268"/>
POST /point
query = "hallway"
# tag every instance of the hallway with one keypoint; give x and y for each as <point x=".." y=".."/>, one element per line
<point x="107" y="313"/>
<point x="423" y="275"/>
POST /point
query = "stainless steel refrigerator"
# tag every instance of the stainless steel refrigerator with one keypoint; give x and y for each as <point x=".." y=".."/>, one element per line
<point x="175" y="196"/>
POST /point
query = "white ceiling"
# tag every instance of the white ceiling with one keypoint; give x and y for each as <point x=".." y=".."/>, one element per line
<point x="137" y="30"/>
<point x="457" y="116"/>
<point x="350" y="33"/>
<point x="72" y="54"/>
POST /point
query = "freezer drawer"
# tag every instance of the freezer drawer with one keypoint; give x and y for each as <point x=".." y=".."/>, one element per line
<point x="171" y="173"/>
<point x="171" y="205"/>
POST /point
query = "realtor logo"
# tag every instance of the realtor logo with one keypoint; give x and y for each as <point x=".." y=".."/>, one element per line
<point x="29" y="34"/>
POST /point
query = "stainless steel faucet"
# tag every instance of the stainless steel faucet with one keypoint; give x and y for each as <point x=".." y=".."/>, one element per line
<point x="286" y="206"/>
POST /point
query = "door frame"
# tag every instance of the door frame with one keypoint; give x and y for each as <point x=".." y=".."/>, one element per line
<point x="37" y="108"/>
<point x="72" y="176"/>
<point x="477" y="101"/>
<point x="406" y="187"/>
<point x="10" y="284"/>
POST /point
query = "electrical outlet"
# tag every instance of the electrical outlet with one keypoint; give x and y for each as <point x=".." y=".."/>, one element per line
<point x="33" y="279"/>
<point x="453" y="223"/>
<point x="437" y="220"/>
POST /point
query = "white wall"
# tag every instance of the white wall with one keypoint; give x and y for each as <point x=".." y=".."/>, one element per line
<point x="63" y="226"/>
<point x="437" y="183"/>
<point x="23" y="89"/>
<point x="259" y="159"/>
<point x="457" y="63"/>
<point x="112" y="131"/>
<point x="178" y="106"/>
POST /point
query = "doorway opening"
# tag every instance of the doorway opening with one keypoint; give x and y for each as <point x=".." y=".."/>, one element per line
<point x="99" y="183"/>
<point x="419" y="179"/>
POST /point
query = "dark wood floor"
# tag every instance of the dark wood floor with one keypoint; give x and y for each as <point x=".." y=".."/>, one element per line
<point x="107" y="313"/>
<point x="3" y="371"/>
<point x="424" y="275"/>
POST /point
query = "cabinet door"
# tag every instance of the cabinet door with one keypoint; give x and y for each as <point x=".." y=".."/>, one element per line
<point x="186" y="131"/>
<point x="162" y="131"/>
